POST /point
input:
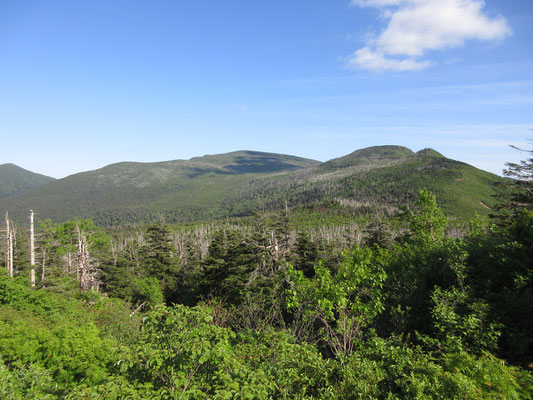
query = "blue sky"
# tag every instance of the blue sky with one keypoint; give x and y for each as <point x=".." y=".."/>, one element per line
<point x="87" y="83"/>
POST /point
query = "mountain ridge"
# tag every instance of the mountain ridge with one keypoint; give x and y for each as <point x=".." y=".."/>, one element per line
<point x="236" y="183"/>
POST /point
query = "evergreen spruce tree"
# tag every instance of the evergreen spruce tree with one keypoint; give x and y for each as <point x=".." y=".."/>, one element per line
<point x="158" y="261"/>
<point x="522" y="187"/>
<point x="380" y="234"/>
<point x="306" y="254"/>
<point x="228" y="266"/>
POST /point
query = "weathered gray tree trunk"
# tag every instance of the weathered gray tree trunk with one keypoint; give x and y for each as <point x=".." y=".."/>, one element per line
<point x="43" y="267"/>
<point x="81" y="255"/>
<point x="86" y="269"/>
<point x="69" y="262"/>
<point x="9" y="247"/>
<point x="32" y="251"/>
<point x="7" y="242"/>
<point x="11" y="252"/>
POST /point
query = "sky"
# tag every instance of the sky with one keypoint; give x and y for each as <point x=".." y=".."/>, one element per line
<point x="87" y="83"/>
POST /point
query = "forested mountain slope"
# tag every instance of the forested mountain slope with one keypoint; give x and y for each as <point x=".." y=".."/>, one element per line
<point x="179" y="190"/>
<point x="236" y="184"/>
<point x="382" y="177"/>
<point x="15" y="180"/>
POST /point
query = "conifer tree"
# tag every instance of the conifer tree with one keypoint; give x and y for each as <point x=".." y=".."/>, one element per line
<point x="158" y="261"/>
<point x="306" y="254"/>
<point x="522" y="173"/>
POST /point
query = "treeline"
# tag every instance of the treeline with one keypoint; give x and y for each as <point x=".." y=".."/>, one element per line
<point x="260" y="309"/>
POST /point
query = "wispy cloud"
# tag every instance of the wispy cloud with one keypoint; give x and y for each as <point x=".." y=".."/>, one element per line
<point x="415" y="27"/>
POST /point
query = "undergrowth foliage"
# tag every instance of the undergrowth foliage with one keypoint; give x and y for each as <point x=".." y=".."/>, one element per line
<point x="262" y="310"/>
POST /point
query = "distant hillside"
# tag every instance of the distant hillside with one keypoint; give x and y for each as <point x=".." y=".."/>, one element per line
<point x="179" y="190"/>
<point x="15" y="180"/>
<point x="379" y="178"/>
<point x="238" y="183"/>
<point x="370" y="157"/>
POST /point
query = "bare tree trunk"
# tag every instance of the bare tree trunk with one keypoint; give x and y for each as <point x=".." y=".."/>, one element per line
<point x="42" y="267"/>
<point x="32" y="251"/>
<point x="9" y="247"/>
<point x="11" y="254"/>
<point x="13" y="246"/>
<point x="69" y="262"/>
<point x="86" y="268"/>
<point x="80" y="274"/>
<point x="8" y="235"/>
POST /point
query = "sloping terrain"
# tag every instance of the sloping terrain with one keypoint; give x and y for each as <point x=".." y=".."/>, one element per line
<point x="15" y="180"/>
<point x="236" y="184"/>
<point x="179" y="190"/>
<point x="383" y="176"/>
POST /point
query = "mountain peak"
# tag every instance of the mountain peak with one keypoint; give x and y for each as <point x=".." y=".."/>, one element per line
<point x="248" y="161"/>
<point x="369" y="156"/>
<point x="427" y="152"/>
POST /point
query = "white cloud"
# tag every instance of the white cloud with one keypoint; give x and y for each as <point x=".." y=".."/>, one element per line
<point x="368" y="59"/>
<point x="417" y="26"/>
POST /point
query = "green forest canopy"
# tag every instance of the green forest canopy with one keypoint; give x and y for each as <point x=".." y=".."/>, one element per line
<point x="258" y="309"/>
